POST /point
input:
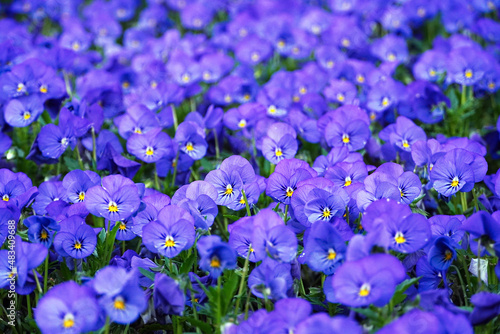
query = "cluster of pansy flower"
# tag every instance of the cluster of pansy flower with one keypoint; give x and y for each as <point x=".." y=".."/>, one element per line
<point x="250" y="166"/>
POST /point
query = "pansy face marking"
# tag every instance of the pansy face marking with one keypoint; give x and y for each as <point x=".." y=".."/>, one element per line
<point x="229" y="190"/>
<point x="455" y="182"/>
<point x="399" y="238"/>
<point x="169" y="241"/>
<point x="215" y="262"/>
<point x="69" y="320"/>
<point x="364" y="291"/>
<point x="5" y="198"/>
<point x="119" y="303"/>
<point x="149" y="151"/>
<point x="331" y="254"/>
<point x="289" y="192"/>
<point x="112" y="207"/>
<point x="345" y="138"/>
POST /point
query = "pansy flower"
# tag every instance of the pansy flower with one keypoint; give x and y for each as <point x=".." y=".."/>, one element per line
<point x="371" y="280"/>
<point x="172" y="232"/>
<point x="346" y="126"/>
<point x="68" y="307"/>
<point x="116" y="199"/>
<point x="41" y="229"/>
<point x="191" y="140"/>
<point x="23" y="111"/>
<point x="75" y="238"/>
<point x="77" y="182"/>
<point x="215" y="255"/>
<point x="270" y="280"/>
<point x="123" y="300"/>
<point x="280" y="143"/>
<point x="138" y="119"/>
<point x="28" y="256"/>
<point x="324" y="248"/>
<point x="442" y="253"/>
<point x="283" y="181"/>
<point x="168" y="296"/>
<point x="151" y="146"/>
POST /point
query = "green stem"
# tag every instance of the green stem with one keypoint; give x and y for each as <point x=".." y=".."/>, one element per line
<point x="466" y="299"/>
<point x="106" y="326"/>
<point x="466" y="269"/>
<point x="176" y="162"/>
<point x="286" y="213"/>
<point x="79" y="158"/>
<point x="195" y="313"/>
<point x="242" y="281"/>
<point x="479" y="281"/>
<point x="67" y="85"/>
<point x="216" y="140"/>
<point x="28" y="304"/>
<point x="123" y="247"/>
<point x="246" y="202"/>
<point x="219" y="314"/>
<point x="46" y="274"/>
<point x="463" y="198"/>
<point x="94" y="154"/>
<point x="174" y="116"/>
<point x="464" y="95"/>
<point x="271" y="170"/>
<point x="157" y="180"/>
<point x="39" y="287"/>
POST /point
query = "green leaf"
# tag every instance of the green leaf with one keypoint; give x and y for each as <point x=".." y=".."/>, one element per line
<point x="187" y="264"/>
<point x="71" y="163"/>
<point x="367" y="312"/>
<point x="228" y="289"/>
<point x="232" y="217"/>
<point x="147" y="273"/>
<point x="205" y="328"/>
<point x="400" y="294"/>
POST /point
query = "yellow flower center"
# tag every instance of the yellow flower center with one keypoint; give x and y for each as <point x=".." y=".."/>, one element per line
<point x="491" y="85"/>
<point x="468" y="73"/>
<point x="242" y="200"/>
<point x="169" y="241"/>
<point x="255" y="57"/>
<point x="78" y="245"/>
<point x="345" y="138"/>
<point x="126" y="84"/>
<point x="228" y="98"/>
<point x="153" y="84"/>
<point x="189" y="147"/>
<point x="391" y="57"/>
<point x="68" y="321"/>
<point x="405" y="143"/>
<point x="44" y="235"/>
<point x="150" y="151"/>
<point x="229" y="190"/>
<point x="43" y="89"/>
<point x="360" y="78"/>
<point x="75" y="46"/>
<point x="448" y="255"/>
<point x="137" y="130"/>
<point x="242" y="123"/>
<point x="340" y="97"/>
<point x="206" y="75"/>
<point x="215" y="262"/>
<point x="20" y="87"/>
<point x="122" y="226"/>
<point x="432" y="72"/>
<point x="345" y="42"/>
<point x="5" y="198"/>
<point x="281" y="44"/>
<point x="399" y="238"/>
<point x="296" y="98"/>
<point x="385" y="101"/>
<point x="331" y="254"/>
<point x="303" y="90"/>
<point x="246" y="97"/>
<point x="26" y="115"/>
<point x="186" y="78"/>
<point x="112" y="207"/>
<point x="329" y="64"/>
<point x="271" y="109"/>
<point x="81" y="196"/>
<point x="347" y="181"/>
<point x="455" y="182"/>
<point x="278" y="152"/>
<point x="364" y="290"/>
<point x="119" y="303"/>
<point x="289" y="192"/>
<point x="326" y="213"/>
<point x="421" y="11"/>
